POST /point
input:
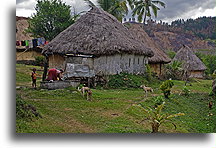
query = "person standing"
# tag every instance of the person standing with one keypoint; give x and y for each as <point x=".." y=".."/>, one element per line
<point x="34" y="77"/>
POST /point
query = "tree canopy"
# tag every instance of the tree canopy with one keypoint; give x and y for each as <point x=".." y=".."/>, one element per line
<point x="117" y="8"/>
<point x="51" y="18"/>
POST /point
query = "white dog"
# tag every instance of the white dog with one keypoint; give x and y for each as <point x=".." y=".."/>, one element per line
<point x="146" y="89"/>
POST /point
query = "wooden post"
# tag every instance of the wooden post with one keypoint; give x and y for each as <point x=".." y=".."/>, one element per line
<point x="46" y="65"/>
<point x="89" y="80"/>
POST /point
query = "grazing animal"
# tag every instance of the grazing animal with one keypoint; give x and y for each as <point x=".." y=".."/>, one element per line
<point x="210" y="105"/>
<point x="146" y="89"/>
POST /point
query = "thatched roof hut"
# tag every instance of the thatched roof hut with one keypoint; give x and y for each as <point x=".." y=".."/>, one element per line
<point x="190" y="62"/>
<point x="97" y="44"/>
<point x="97" y="33"/>
<point x="25" y="54"/>
<point x="159" y="57"/>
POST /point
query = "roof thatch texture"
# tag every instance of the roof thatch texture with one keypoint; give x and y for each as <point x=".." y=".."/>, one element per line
<point x="98" y="33"/>
<point x="142" y="36"/>
<point x="21" y="25"/>
<point x="189" y="59"/>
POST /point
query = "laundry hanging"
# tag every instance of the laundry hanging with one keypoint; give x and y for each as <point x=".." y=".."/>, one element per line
<point x="35" y="43"/>
<point x="23" y="43"/>
<point x="26" y="43"/>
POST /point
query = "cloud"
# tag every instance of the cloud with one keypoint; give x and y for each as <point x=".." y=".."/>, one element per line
<point x="175" y="9"/>
<point x="184" y="9"/>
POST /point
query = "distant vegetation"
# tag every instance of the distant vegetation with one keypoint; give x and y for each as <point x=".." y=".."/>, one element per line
<point x="51" y="18"/>
<point x="209" y="61"/>
<point x="203" y="27"/>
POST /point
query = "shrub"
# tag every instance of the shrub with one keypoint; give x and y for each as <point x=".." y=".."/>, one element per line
<point x="173" y="70"/>
<point x="166" y="88"/>
<point x="21" y="112"/>
<point x="185" y="91"/>
<point x="124" y="80"/>
<point x="171" y="54"/>
<point x="25" y="111"/>
<point x="158" y="100"/>
<point x="148" y="73"/>
<point x="39" y="60"/>
<point x="157" y="117"/>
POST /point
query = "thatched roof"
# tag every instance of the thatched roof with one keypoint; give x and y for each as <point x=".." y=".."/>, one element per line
<point x="21" y="25"/>
<point x="98" y="33"/>
<point x="142" y="36"/>
<point x="189" y="59"/>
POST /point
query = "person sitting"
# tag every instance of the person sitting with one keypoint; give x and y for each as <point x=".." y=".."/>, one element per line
<point x="54" y="74"/>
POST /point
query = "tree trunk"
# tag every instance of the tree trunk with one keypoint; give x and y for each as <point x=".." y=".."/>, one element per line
<point x="155" y="127"/>
<point x="46" y="65"/>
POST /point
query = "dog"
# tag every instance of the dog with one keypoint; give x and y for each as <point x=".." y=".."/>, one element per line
<point x="88" y="91"/>
<point x="146" y="89"/>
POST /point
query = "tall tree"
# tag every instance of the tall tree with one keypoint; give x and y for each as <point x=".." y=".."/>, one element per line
<point x="144" y="8"/>
<point x="51" y="18"/>
<point x="117" y="8"/>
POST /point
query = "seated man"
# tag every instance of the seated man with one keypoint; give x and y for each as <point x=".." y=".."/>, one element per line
<point x="54" y="74"/>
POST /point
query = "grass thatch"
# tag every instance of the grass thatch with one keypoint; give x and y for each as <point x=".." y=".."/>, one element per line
<point x="142" y="36"/>
<point x="189" y="59"/>
<point x="97" y="33"/>
<point x="21" y="25"/>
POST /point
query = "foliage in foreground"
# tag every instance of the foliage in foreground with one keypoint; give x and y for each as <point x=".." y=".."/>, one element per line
<point x="166" y="88"/>
<point x="157" y="117"/>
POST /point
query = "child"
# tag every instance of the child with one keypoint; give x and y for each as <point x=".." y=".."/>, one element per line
<point x="33" y="75"/>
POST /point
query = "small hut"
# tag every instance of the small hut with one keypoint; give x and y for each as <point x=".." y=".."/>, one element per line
<point x="160" y="58"/>
<point x="97" y="44"/>
<point x="190" y="62"/>
<point x="25" y="54"/>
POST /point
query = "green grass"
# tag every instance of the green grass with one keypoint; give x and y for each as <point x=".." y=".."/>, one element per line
<point x="112" y="110"/>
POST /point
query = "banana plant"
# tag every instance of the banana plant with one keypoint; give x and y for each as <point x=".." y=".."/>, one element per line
<point x="157" y="117"/>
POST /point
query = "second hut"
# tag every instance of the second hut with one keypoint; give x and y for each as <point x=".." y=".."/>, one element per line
<point x="190" y="62"/>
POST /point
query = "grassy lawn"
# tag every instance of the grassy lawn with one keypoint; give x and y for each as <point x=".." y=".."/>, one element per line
<point x="112" y="110"/>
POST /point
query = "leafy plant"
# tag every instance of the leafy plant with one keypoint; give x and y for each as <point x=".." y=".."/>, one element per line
<point x="51" y="18"/>
<point x="157" y="117"/>
<point x="148" y="72"/>
<point x="173" y="70"/>
<point x="171" y="54"/>
<point x="166" y="88"/>
<point x="39" y="60"/>
<point x="21" y="112"/>
<point x="126" y="80"/>
<point x="158" y="100"/>
<point x="185" y="91"/>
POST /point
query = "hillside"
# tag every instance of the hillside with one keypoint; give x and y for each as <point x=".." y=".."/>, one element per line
<point x="197" y="34"/>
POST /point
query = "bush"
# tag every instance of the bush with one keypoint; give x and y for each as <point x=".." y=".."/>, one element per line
<point x="25" y="111"/>
<point x="21" y="112"/>
<point x="158" y="100"/>
<point x="173" y="70"/>
<point x="39" y="60"/>
<point x="125" y="80"/>
<point x="185" y="91"/>
<point x="171" y="54"/>
<point x="166" y="88"/>
<point x="209" y="61"/>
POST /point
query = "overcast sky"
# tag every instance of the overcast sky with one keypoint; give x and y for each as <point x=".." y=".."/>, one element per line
<point x="175" y="9"/>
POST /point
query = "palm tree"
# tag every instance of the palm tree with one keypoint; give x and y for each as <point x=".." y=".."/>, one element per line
<point x="157" y="117"/>
<point x="144" y="8"/>
<point x="117" y="8"/>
